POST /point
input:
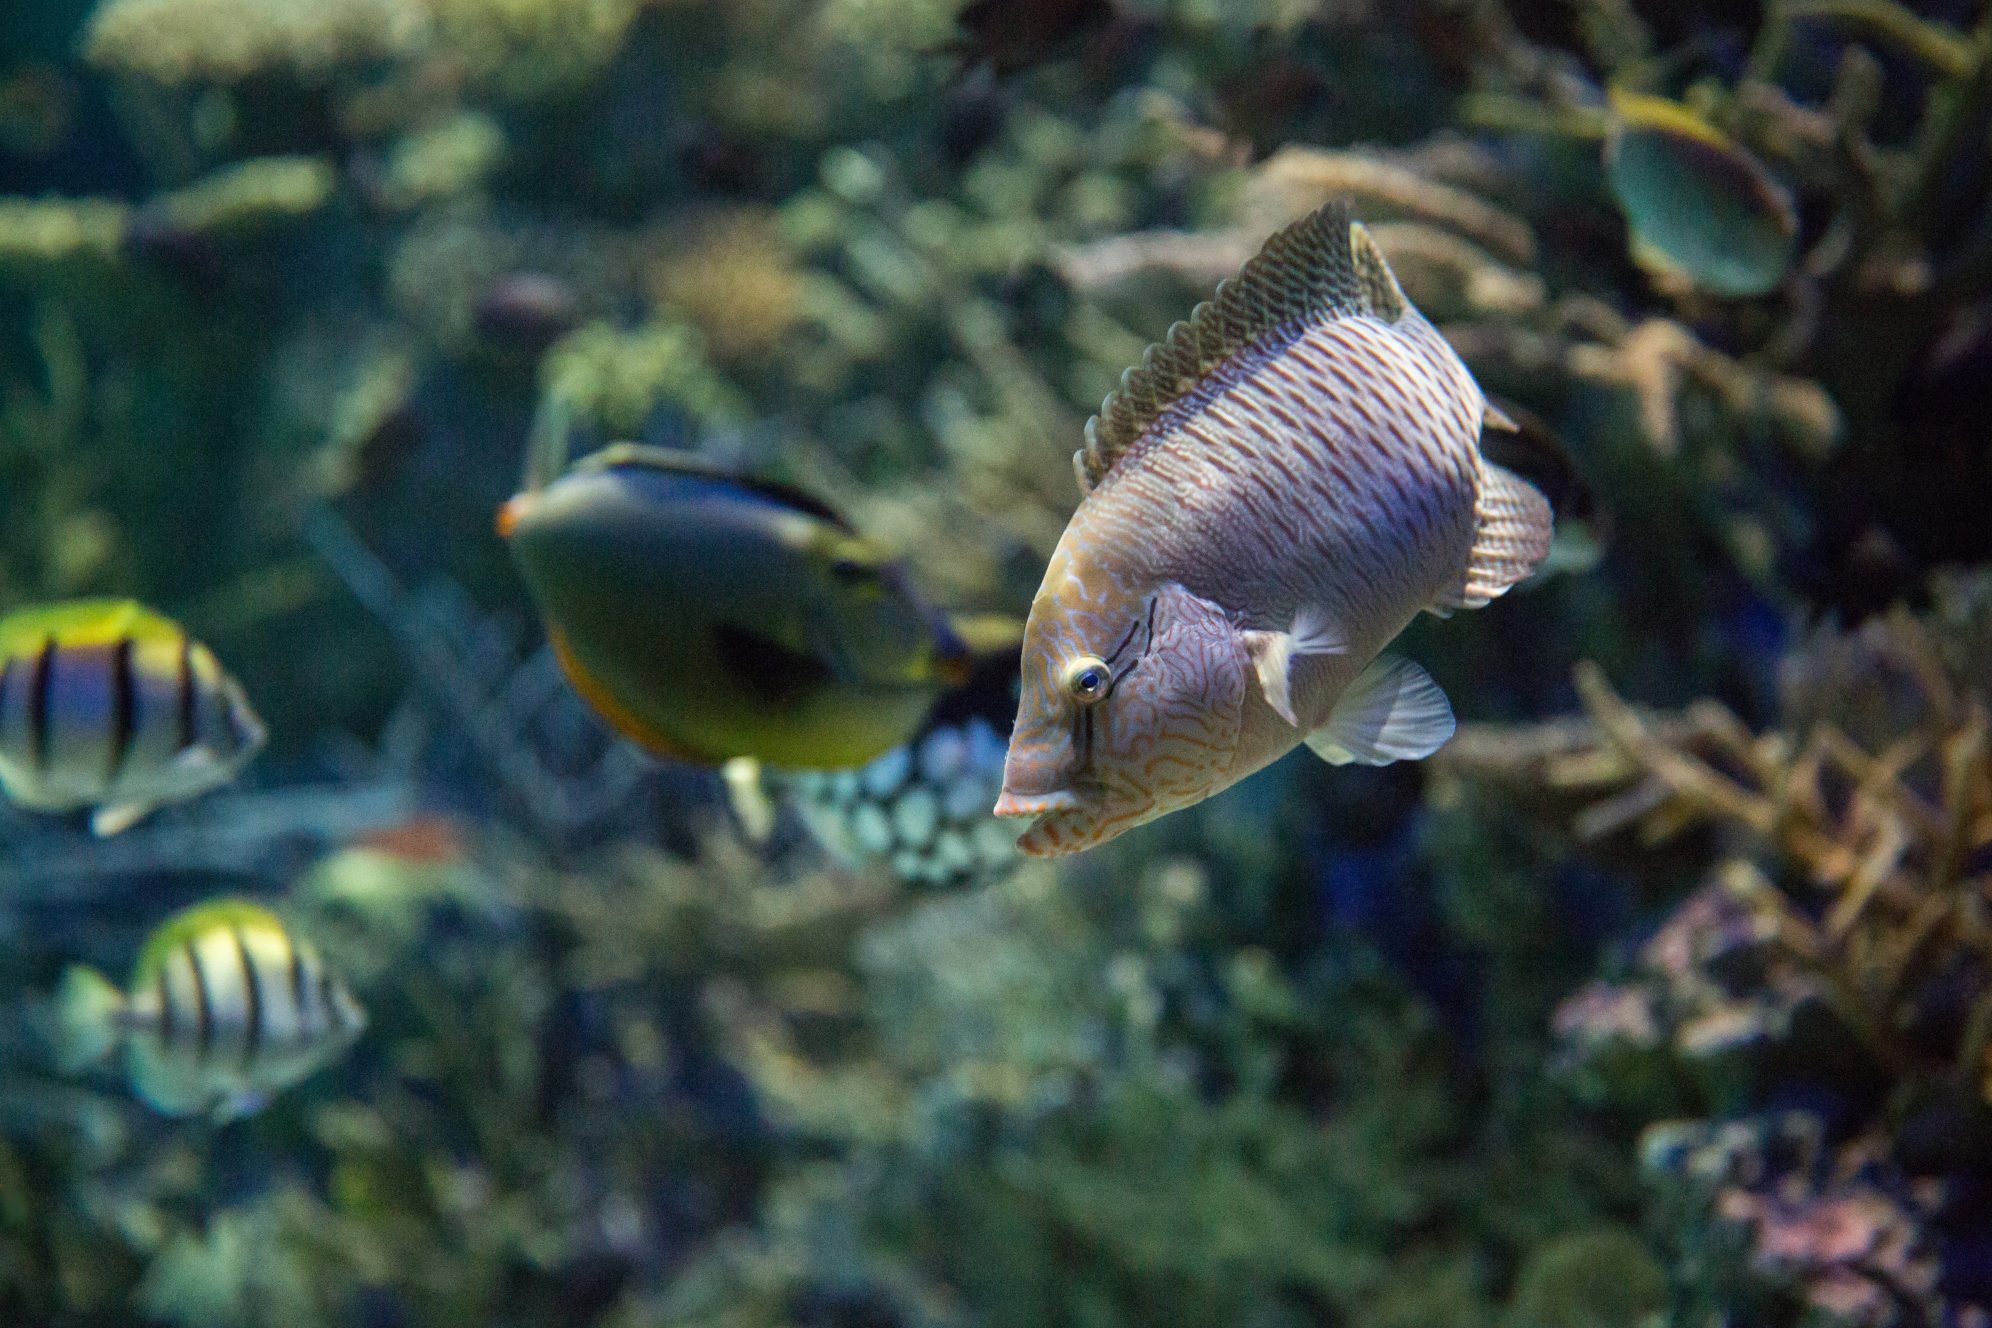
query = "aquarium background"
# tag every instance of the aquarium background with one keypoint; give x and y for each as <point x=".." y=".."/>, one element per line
<point x="1663" y="995"/>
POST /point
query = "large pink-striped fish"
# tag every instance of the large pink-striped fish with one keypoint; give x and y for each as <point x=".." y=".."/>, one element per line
<point x="1284" y="482"/>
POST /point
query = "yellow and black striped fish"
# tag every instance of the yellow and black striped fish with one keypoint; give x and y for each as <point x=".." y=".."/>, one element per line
<point x="106" y="704"/>
<point x="226" y="1008"/>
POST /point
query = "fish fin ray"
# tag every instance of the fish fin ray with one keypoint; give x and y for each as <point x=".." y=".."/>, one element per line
<point x="118" y="818"/>
<point x="1382" y="296"/>
<point x="1393" y="711"/>
<point x="1321" y="268"/>
<point x="1314" y="632"/>
<point x="1515" y="529"/>
<point x="1493" y="417"/>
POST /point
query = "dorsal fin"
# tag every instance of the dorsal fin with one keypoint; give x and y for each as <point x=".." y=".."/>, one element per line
<point x="1322" y="267"/>
<point x="677" y="462"/>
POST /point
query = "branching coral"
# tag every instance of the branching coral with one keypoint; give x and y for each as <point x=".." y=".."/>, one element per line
<point x="1838" y="955"/>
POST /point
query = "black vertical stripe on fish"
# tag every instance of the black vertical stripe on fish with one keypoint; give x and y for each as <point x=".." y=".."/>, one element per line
<point x="6" y="676"/>
<point x="1131" y="628"/>
<point x="38" y="696"/>
<point x="203" y="1013"/>
<point x="166" y="1023"/>
<point x="124" y="709"/>
<point x="186" y="694"/>
<point x="297" y="987"/>
<point x="335" y="1018"/>
<point x="252" y="1000"/>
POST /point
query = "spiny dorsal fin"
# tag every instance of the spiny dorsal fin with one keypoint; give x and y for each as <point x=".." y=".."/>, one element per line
<point x="1381" y="293"/>
<point x="1320" y="268"/>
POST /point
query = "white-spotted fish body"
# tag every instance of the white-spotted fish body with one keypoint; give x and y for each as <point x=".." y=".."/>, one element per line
<point x="922" y="809"/>
<point x="1285" y="481"/>
<point x="108" y="705"/>
<point x="226" y="1008"/>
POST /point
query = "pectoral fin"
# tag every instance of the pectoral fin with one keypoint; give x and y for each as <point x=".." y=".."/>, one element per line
<point x="1393" y="711"/>
<point x="118" y="818"/>
<point x="1313" y="633"/>
<point x="749" y="798"/>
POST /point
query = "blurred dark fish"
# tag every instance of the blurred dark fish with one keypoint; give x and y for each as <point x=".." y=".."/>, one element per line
<point x="226" y="1008"/>
<point x="106" y="704"/>
<point x="1521" y="441"/>
<point x="523" y="313"/>
<point x="709" y="617"/>
<point x="1013" y="35"/>
<point x="1698" y="204"/>
<point x="921" y="810"/>
<point x="176" y="250"/>
<point x="1270" y="497"/>
<point x="1261" y="105"/>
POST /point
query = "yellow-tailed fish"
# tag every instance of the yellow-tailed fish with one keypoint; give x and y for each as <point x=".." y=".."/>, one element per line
<point x="106" y="704"/>
<point x="922" y="809"/>
<point x="710" y="617"/>
<point x="1697" y="203"/>
<point x="1283" y="483"/>
<point x="226" y="1008"/>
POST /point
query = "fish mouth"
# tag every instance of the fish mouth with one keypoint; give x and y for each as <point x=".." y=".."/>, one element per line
<point x="1056" y="834"/>
<point x="1036" y="804"/>
<point x="510" y="513"/>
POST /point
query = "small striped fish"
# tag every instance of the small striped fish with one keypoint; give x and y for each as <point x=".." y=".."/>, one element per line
<point x="106" y="704"/>
<point x="226" y="1008"/>
<point x="1270" y="497"/>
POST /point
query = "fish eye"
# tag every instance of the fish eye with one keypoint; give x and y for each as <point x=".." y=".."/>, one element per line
<point x="1086" y="679"/>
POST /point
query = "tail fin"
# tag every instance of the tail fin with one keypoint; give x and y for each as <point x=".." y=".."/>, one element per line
<point x="87" y="1019"/>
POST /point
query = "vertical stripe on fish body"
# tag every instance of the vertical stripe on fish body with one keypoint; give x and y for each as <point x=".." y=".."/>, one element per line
<point x="226" y="1008"/>
<point x="1270" y="497"/>
<point x="106" y="704"/>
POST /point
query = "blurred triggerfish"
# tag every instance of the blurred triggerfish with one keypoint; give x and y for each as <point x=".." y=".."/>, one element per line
<point x="106" y="704"/>
<point x="1269" y="498"/>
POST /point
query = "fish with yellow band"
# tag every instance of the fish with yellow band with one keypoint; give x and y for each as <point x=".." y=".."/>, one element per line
<point x="108" y="705"/>
<point x="226" y="1008"/>
<point x="710" y="617"/>
<point x="1285" y="481"/>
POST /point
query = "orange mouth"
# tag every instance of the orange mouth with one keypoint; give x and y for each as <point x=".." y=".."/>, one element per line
<point x="509" y="513"/>
<point x="1038" y="804"/>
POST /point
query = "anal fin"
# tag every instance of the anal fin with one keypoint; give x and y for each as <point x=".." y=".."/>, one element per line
<point x="1513" y="538"/>
<point x="1313" y="632"/>
<point x="1393" y="711"/>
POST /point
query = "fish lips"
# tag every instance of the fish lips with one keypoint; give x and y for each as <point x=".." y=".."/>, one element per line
<point x="1061" y="821"/>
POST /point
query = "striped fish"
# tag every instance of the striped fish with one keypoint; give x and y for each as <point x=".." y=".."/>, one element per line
<point x="106" y="704"/>
<point x="226" y="1008"/>
<point x="1269" y="498"/>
